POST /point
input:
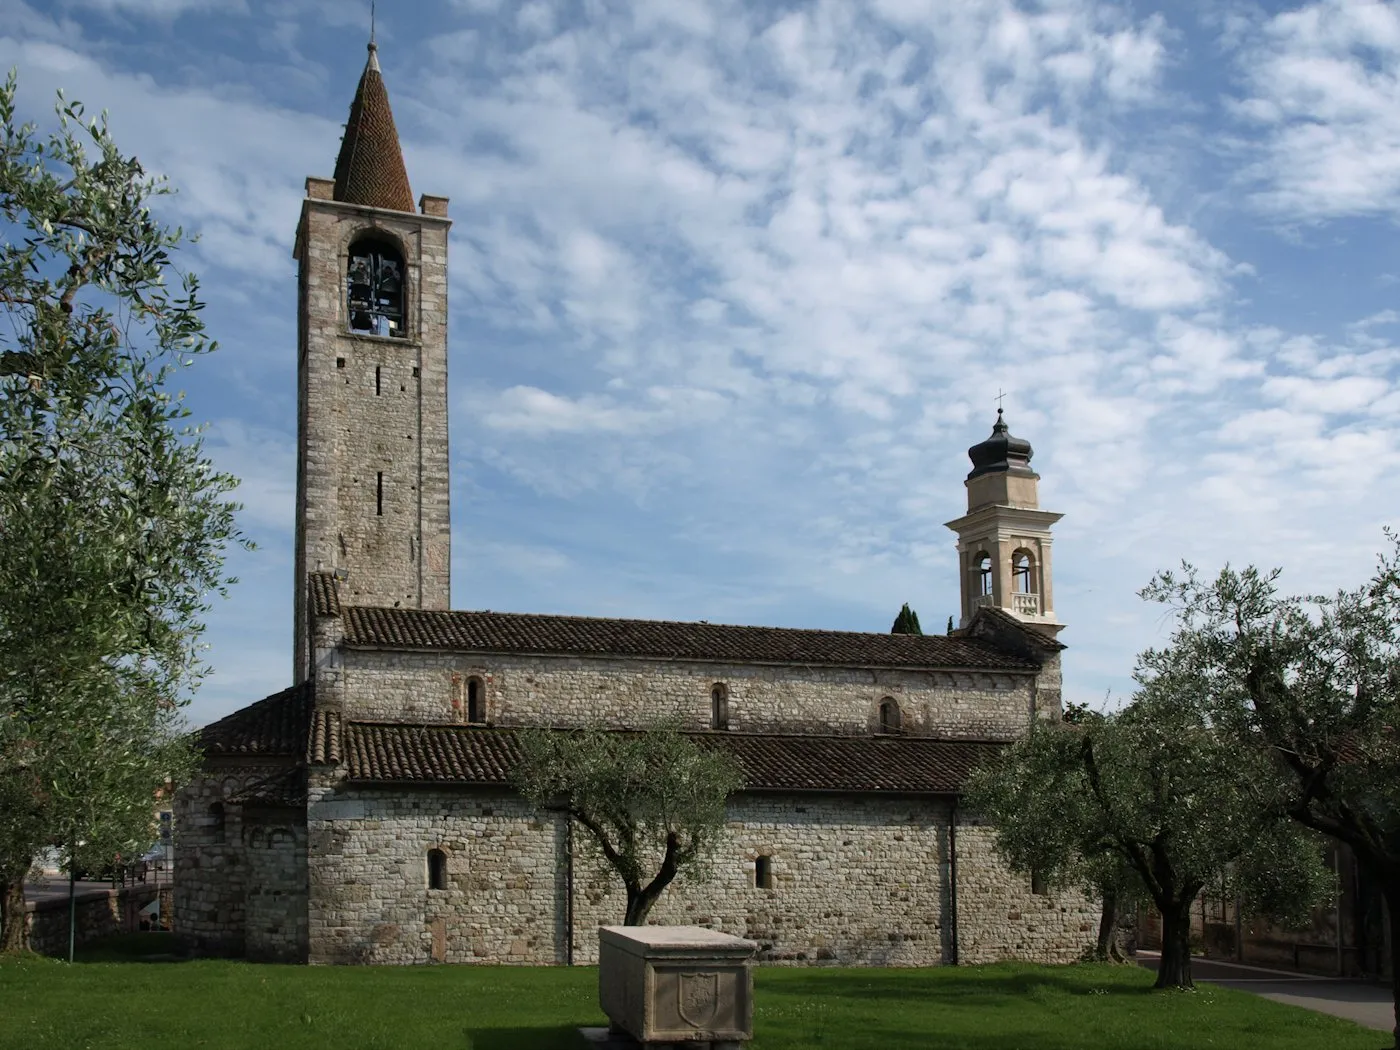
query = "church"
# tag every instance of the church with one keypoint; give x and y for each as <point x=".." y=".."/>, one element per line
<point x="364" y="814"/>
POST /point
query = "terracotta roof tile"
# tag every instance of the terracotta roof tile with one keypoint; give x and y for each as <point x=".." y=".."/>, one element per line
<point x="442" y="754"/>
<point x="525" y="633"/>
<point x="370" y="169"/>
<point x="276" y="725"/>
<point x="282" y="789"/>
<point x="323" y="739"/>
<point x="325" y="601"/>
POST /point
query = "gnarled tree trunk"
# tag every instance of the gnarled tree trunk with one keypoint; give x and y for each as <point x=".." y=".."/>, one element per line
<point x="14" y="933"/>
<point x="1174" y="968"/>
<point x="1107" y="949"/>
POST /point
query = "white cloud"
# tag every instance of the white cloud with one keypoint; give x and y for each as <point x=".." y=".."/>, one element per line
<point x="734" y="288"/>
<point x="1323" y="82"/>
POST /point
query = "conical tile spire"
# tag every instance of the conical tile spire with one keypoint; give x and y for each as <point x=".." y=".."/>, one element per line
<point x="370" y="167"/>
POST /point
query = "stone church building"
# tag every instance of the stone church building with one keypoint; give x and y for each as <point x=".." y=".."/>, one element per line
<point x="365" y="815"/>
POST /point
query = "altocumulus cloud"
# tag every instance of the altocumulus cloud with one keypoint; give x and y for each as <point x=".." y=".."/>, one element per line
<point x="735" y="284"/>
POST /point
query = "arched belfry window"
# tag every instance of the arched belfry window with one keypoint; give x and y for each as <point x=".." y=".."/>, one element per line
<point x="982" y="567"/>
<point x="719" y="706"/>
<point x="374" y="284"/>
<point x="437" y="869"/>
<point x="891" y="720"/>
<point x="1023" y="572"/>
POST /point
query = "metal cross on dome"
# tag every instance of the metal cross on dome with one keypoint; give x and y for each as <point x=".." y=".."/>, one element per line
<point x="1000" y="394"/>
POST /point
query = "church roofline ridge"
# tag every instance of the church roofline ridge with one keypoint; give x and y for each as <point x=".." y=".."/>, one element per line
<point x="387" y="628"/>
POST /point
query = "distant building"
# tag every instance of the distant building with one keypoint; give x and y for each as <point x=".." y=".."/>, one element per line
<point x="364" y="814"/>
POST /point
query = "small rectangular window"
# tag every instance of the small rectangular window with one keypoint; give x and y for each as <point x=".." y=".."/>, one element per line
<point x="763" y="872"/>
<point x="379" y="494"/>
<point x="415" y="371"/>
<point x="376" y="380"/>
<point x="340" y="362"/>
<point x="1038" y="884"/>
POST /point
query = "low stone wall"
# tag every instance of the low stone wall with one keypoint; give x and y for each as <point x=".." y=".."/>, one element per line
<point x="98" y="913"/>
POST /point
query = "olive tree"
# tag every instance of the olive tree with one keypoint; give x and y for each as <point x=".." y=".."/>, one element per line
<point x="652" y="801"/>
<point x="1310" y="688"/>
<point x="1148" y="800"/>
<point x="113" y="523"/>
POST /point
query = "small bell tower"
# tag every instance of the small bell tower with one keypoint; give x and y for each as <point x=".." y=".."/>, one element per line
<point x="372" y="466"/>
<point x="1004" y="538"/>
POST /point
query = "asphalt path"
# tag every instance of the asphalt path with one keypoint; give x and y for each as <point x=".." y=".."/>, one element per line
<point x="46" y="889"/>
<point x="1360" y="1001"/>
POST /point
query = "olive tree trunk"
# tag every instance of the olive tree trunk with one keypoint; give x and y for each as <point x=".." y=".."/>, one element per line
<point x="1174" y="968"/>
<point x="13" y="928"/>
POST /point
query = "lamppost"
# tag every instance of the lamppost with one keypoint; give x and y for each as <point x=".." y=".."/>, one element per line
<point x="72" y="897"/>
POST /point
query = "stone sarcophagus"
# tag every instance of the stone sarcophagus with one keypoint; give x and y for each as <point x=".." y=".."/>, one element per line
<point x="676" y="984"/>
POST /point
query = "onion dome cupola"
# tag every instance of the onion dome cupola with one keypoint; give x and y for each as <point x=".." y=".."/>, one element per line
<point x="1000" y="452"/>
<point x="1004" y="538"/>
<point x="370" y="169"/>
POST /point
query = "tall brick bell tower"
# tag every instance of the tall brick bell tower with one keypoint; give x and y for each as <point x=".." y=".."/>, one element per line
<point x="372" y="469"/>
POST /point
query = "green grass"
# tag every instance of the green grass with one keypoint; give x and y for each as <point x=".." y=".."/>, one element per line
<point x="122" y="1002"/>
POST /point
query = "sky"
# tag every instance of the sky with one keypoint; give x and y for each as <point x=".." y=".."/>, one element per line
<point x="734" y="285"/>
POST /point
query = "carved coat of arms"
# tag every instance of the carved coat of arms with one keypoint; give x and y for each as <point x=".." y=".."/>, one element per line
<point x="699" y="998"/>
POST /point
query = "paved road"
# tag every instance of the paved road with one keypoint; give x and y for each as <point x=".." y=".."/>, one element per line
<point x="49" y="888"/>
<point x="1365" y="1003"/>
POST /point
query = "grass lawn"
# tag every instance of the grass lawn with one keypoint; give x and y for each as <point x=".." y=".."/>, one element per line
<point x="113" y="1001"/>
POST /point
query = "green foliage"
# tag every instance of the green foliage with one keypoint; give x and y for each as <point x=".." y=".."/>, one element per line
<point x="653" y="801"/>
<point x="907" y="622"/>
<point x="1313" y="683"/>
<point x="1153" y="790"/>
<point x="112" y="522"/>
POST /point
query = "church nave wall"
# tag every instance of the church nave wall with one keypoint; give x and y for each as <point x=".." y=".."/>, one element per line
<point x="559" y="691"/>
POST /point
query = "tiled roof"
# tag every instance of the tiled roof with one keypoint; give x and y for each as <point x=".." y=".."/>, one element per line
<point x="282" y="789"/>
<point x="494" y="632"/>
<point x="323" y="739"/>
<point x="324" y="599"/>
<point x="276" y="725"/>
<point x="442" y="754"/>
<point x="1036" y="638"/>
<point x="370" y="167"/>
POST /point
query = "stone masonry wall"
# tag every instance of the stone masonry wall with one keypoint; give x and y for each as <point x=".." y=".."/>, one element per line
<point x="856" y="880"/>
<point x="543" y="690"/>
<point x="210" y="878"/>
<point x="373" y="483"/>
<point x="370" y="900"/>
<point x="999" y="917"/>
<point x="275" y="906"/>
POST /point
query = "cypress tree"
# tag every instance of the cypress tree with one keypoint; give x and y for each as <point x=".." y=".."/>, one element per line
<point x="907" y="622"/>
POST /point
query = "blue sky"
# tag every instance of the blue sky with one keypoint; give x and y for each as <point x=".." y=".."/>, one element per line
<point x="734" y="286"/>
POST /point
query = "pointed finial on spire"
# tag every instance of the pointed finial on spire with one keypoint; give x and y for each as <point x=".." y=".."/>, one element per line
<point x="373" y="62"/>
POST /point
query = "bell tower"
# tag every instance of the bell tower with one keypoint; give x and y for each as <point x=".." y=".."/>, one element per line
<point x="372" y="467"/>
<point x="1004" y="538"/>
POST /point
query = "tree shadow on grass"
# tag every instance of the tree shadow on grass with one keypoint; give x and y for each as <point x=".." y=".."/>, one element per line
<point x="952" y="985"/>
<point x="552" y="1037"/>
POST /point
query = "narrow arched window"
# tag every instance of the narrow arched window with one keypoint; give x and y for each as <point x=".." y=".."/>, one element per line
<point x="763" y="872"/>
<point x="982" y="566"/>
<point x="374" y="283"/>
<point x="890" y="719"/>
<point x="218" y="828"/>
<point x="437" y="869"/>
<point x="719" y="706"/>
<point x="1022" y="572"/>
<point x="476" y="701"/>
<point x="1039" y="886"/>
